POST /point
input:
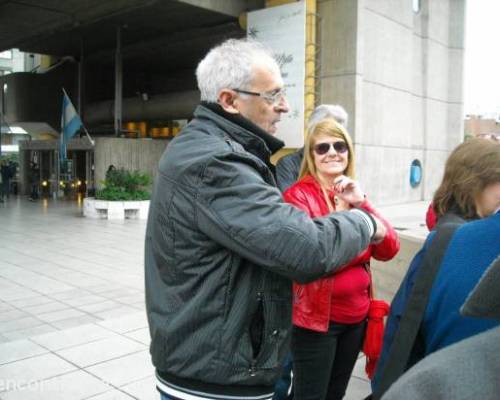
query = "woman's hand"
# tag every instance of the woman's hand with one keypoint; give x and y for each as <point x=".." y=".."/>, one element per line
<point x="348" y="190"/>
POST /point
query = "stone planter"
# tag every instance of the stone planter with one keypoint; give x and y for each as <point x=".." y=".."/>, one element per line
<point x="104" y="209"/>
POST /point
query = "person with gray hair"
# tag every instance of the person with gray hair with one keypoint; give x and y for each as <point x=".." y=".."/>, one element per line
<point x="222" y="246"/>
<point x="323" y="111"/>
<point x="288" y="167"/>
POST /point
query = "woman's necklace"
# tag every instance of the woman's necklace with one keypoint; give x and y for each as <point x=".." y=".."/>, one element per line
<point x="336" y="200"/>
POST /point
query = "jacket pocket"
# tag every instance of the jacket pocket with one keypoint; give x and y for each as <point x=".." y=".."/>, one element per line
<point x="276" y="316"/>
<point x="257" y="328"/>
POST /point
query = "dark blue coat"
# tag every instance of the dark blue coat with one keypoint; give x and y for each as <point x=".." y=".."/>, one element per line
<point x="472" y="249"/>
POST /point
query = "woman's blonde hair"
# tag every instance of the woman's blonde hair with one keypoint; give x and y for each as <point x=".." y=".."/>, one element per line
<point x="470" y="168"/>
<point x="327" y="127"/>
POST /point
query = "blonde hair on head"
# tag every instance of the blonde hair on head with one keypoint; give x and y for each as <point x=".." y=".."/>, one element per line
<point x="327" y="127"/>
<point x="470" y="168"/>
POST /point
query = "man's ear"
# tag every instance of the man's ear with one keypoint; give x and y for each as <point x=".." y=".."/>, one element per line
<point x="227" y="100"/>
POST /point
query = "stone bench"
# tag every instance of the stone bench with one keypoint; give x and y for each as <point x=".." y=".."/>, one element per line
<point x="104" y="209"/>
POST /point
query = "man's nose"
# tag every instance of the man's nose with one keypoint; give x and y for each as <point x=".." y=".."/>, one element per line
<point x="282" y="106"/>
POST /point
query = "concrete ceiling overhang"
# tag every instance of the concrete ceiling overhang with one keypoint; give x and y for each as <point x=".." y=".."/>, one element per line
<point x="62" y="27"/>
<point x="161" y="43"/>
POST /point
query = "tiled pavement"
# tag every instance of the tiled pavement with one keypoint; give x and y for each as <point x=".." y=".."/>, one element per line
<point x="72" y="318"/>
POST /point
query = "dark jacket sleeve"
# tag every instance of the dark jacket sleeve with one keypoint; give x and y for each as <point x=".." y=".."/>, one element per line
<point x="389" y="246"/>
<point x="287" y="170"/>
<point x="240" y="211"/>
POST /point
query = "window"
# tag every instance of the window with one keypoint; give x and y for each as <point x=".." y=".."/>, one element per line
<point x="415" y="173"/>
<point x="416" y="5"/>
<point x="6" y="54"/>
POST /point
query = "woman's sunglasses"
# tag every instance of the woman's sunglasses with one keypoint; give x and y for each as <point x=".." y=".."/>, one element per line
<point x="323" y="148"/>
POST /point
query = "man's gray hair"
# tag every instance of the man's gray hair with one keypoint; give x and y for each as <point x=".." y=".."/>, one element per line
<point x="324" y="111"/>
<point x="230" y="65"/>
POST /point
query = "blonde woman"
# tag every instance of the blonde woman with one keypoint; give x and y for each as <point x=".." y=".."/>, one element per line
<point x="329" y="314"/>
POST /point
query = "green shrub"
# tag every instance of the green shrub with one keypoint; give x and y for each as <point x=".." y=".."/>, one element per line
<point x="122" y="185"/>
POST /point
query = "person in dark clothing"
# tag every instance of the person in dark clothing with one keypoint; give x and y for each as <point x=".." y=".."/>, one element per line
<point x="5" y="172"/>
<point x="288" y="167"/>
<point x="35" y="181"/>
<point x="1" y="188"/>
<point x="110" y="170"/>
<point x="222" y="246"/>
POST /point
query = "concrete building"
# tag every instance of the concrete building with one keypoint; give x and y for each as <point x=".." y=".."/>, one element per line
<point x="395" y="65"/>
<point x="476" y="125"/>
<point x="399" y="74"/>
<point x="12" y="61"/>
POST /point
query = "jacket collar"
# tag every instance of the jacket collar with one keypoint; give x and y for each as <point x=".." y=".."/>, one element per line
<point x="311" y="180"/>
<point x="254" y="139"/>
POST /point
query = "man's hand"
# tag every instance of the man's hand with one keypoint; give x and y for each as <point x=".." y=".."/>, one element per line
<point x="380" y="231"/>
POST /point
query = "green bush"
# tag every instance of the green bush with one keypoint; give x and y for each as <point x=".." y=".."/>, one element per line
<point x="10" y="157"/>
<point x="122" y="185"/>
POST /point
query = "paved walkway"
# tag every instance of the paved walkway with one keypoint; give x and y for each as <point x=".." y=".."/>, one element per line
<point x="72" y="318"/>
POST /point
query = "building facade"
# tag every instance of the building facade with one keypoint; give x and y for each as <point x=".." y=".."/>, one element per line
<point x="397" y="68"/>
<point x="476" y="125"/>
<point x="395" y="65"/>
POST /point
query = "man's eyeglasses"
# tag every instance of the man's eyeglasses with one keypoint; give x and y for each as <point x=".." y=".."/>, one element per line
<point x="323" y="148"/>
<point x="273" y="98"/>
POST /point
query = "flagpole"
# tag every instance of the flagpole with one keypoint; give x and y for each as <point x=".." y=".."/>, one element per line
<point x="66" y="94"/>
<point x="62" y="132"/>
<point x="87" y="133"/>
<point x="83" y="126"/>
<point x="58" y="174"/>
<point x="60" y="160"/>
<point x="61" y="140"/>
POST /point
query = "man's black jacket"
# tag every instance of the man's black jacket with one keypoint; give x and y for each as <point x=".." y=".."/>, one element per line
<point x="221" y="251"/>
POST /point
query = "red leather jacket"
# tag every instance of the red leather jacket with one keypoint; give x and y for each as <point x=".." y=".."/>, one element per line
<point x="344" y="296"/>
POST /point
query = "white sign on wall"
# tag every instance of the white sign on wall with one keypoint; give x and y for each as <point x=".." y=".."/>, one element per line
<point x="283" y="29"/>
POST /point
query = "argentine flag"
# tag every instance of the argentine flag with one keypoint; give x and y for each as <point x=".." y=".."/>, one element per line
<point x="70" y="123"/>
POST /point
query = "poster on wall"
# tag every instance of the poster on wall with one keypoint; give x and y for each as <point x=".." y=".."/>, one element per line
<point x="283" y="29"/>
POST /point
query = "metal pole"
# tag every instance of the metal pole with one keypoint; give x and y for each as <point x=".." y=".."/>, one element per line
<point x="58" y="174"/>
<point x="2" y="112"/>
<point x="81" y="77"/>
<point x="118" y="82"/>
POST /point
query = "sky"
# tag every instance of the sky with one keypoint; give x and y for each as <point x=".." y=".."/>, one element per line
<point x="482" y="57"/>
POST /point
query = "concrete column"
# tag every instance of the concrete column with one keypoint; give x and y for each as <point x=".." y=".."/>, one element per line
<point x="338" y="61"/>
<point x="118" y="83"/>
<point x="2" y="94"/>
<point x="81" y="81"/>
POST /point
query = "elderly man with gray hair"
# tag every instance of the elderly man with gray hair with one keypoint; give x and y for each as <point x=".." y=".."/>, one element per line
<point x="221" y="245"/>
<point x="288" y="167"/>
